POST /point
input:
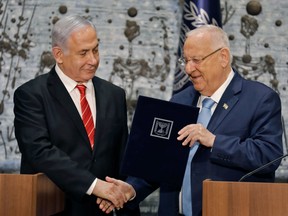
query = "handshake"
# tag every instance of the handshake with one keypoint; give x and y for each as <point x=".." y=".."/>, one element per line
<point x="112" y="193"/>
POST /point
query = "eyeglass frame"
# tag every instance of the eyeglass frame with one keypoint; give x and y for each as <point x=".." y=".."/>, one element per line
<point x="182" y="61"/>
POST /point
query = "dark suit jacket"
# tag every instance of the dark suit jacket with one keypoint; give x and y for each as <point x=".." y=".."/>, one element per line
<point x="53" y="140"/>
<point x="248" y="129"/>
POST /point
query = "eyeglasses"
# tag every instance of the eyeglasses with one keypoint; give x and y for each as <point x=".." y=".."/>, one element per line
<point x="182" y="61"/>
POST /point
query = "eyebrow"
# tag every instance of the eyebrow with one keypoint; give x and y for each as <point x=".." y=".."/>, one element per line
<point x="85" y="50"/>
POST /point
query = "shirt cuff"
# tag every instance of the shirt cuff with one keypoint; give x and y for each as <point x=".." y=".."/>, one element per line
<point x="133" y="197"/>
<point x="90" y="190"/>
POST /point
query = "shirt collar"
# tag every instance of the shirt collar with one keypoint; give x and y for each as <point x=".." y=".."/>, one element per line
<point x="219" y="92"/>
<point x="70" y="83"/>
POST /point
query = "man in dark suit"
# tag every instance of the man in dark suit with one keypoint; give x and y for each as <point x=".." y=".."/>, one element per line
<point x="244" y="132"/>
<point x="51" y="134"/>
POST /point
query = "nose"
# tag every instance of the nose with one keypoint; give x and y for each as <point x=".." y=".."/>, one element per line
<point x="190" y="67"/>
<point x="93" y="58"/>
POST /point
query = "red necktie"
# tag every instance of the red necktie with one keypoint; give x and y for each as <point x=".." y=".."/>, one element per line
<point x="86" y="114"/>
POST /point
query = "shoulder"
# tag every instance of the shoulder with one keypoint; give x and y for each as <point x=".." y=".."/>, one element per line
<point x="34" y="84"/>
<point x="185" y="96"/>
<point x="257" y="88"/>
<point x="102" y="85"/>
<point x="253" y="91"/>
<point x="253" y="88"/>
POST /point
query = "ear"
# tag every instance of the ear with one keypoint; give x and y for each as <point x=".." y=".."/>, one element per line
<point x="225" y="57"/>
<point x="58" y="54"/>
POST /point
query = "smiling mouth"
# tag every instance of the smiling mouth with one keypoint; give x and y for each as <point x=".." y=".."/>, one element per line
<point x="194" y="77"/>
<point x="92" y="69"/>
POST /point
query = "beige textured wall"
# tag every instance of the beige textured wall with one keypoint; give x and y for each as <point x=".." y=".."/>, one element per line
<point x="140" y="37"/>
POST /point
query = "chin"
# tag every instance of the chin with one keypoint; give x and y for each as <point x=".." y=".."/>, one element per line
<point x="90" y="74"/>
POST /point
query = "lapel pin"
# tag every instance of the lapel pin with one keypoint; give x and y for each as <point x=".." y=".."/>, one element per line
<point x="225" y="106"/>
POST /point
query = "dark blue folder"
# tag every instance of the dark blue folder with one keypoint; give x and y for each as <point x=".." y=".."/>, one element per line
<point x="153" y="151"/>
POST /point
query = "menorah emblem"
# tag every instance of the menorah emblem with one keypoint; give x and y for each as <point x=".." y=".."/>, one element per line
<point x="162" y="125"/>
<point x="161" y="128"/>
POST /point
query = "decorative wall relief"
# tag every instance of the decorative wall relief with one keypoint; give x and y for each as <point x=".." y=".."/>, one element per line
<point x="15" y="45"/>
<point x="130" y="69"/>
<point x="138" y="48"/>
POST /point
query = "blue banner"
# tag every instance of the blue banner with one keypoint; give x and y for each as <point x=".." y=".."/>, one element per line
<point x="195" y="13"/>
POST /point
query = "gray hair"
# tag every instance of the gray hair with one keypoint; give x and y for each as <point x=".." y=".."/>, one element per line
<point x="65" y="27"/>
<point x="218" y="35"/>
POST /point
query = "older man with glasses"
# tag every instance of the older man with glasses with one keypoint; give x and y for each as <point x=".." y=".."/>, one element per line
<point x="238" y="130"/>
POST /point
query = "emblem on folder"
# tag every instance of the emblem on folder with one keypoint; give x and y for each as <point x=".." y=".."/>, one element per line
<point x="161" y="128"/>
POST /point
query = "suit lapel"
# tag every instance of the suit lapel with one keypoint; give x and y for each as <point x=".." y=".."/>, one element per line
<point x="100" y="110"/>
<point x="58" y="90"/>
<point x="226" y="103"/>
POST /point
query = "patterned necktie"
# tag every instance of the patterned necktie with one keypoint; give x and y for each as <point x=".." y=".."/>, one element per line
<point x="86" y="114"/>
<point x="203" y="118"/>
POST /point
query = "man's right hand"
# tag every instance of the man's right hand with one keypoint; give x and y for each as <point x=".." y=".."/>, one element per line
<point x="105" y="205"/>
<point x="114" y="190"/>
